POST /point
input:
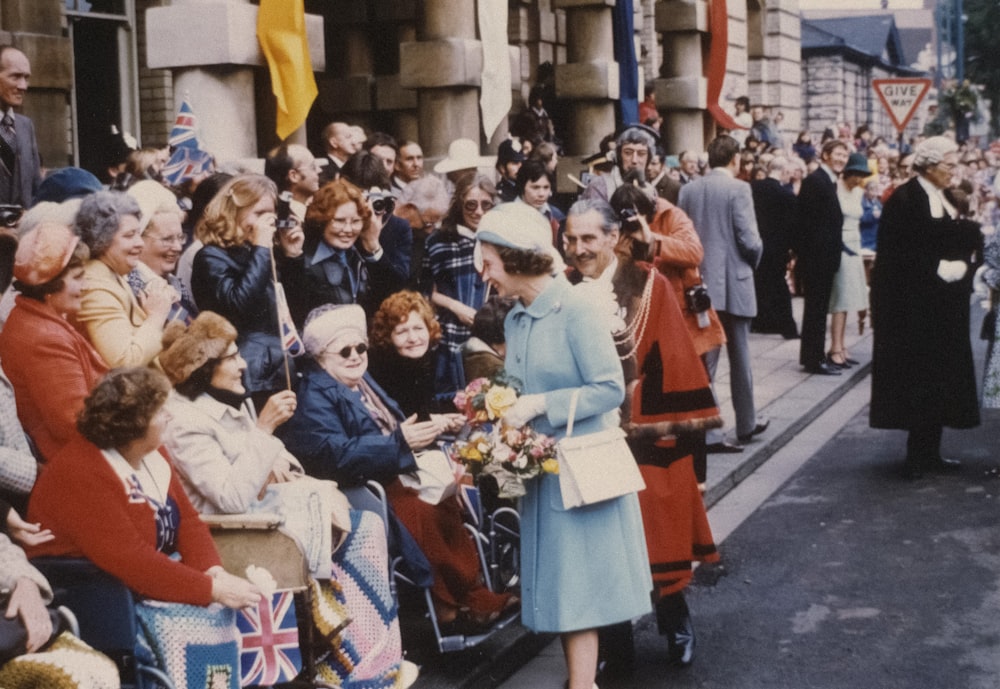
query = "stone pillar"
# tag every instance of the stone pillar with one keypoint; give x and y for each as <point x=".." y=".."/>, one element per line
<point x="35" y="28"/>
<point x="780" y="72"/>
<point x="589" y="78"/>
<point x="211" y="47"/>
<point x="444" y="65"/>
<point x="681" y="90"/>
<point x="391" y="98"/>
<point x="345" y="93"/>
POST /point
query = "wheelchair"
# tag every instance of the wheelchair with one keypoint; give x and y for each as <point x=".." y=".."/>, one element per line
<point x="497" y="539"/>
<point x="104" y="607"/>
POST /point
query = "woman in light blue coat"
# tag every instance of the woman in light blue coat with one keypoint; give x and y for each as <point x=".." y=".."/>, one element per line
<point x="586" y="567"/>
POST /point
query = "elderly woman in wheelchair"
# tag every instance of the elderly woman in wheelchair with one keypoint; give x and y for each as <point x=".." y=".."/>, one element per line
<point x="111" y="497"/>
<point x="230" y="462"/>
<point x="345" y="427"/>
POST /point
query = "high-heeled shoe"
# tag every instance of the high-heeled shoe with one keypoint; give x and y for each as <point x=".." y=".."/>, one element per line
<point x="831" y="360"/>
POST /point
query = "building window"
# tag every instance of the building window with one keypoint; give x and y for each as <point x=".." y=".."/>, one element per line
<point x="107" y="7"/>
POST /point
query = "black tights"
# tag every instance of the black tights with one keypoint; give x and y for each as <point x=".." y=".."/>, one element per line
<point x="923" y="445"/>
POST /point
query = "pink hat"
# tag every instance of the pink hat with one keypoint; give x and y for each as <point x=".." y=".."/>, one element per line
<point x="43" y="253"/>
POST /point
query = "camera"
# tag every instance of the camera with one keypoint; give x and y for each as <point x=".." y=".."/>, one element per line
<point x="283" y="209"/>
<point x="696" y="299"/>
<point x="383" y="202"/>
<point x="10" y="214"/>
<point x="628" y="217"/>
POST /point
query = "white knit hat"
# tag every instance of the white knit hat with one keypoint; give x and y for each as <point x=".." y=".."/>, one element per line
<point x="327" y="323"/>
<point x="153" y="198"/>
<point x="518" y="226"/>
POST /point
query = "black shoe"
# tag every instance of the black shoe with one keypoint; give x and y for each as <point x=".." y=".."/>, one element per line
<point x="757" y="430"/>
<point x="912" y="471"/>
<point x="822" y="369"/>
<point x="943" y="465"/>
<point x="681" y="643"/>
<point x="851" y="362"/>
<point x="790" y="334"/>
<point x="723" y="448"/>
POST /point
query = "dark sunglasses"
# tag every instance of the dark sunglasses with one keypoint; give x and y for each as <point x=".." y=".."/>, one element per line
<point x="345" y="353"/>
<point x="470" y="206"/>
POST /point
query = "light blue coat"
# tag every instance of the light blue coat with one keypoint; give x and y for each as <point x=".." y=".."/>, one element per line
<point x="586" y="567"/>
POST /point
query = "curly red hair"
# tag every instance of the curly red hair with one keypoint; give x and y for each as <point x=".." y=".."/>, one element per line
<point x="395" y="310"/>
<point x="328" y="199"/>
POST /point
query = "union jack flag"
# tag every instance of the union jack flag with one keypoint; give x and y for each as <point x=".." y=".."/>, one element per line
<point x="290" y="340"/>
<point x="183" y="134"/>
<point x="185" y="163"/>
<point x="270" y="644"/>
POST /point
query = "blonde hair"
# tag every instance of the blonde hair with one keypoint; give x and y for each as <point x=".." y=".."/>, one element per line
<point x="220" y="225"/>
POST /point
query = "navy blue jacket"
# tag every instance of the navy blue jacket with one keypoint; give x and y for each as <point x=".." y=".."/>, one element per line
<point x="335" y="437"/>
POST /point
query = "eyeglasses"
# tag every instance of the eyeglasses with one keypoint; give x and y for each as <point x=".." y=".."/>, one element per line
<point x="345" y="352"/>
<point x="470" y="206"/>
<point x="355" y="223"/>
<point x="174" y="239"/>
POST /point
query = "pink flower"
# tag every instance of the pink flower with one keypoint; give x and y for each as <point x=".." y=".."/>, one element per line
<point x="513" y="436"/>
<point x="476" y="386"/>
<point x="461" y="400"/>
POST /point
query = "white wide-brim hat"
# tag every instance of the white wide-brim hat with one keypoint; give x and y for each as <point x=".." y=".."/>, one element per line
<point x="463" y="154"/>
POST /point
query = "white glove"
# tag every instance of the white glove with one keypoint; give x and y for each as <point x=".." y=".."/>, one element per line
<point x="524" y="410"/>
<point x="951" y="271"/>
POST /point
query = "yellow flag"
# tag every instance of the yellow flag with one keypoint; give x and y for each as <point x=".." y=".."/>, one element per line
<point x="281" y="30"/>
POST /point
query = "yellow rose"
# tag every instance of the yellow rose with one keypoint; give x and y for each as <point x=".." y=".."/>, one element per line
<point x="498" y="400"/>
<point x="471" y="453"/>
<point x="550" y="466"/>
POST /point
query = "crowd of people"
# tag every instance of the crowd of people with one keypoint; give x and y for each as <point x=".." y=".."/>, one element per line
<point x="153" y="366"/>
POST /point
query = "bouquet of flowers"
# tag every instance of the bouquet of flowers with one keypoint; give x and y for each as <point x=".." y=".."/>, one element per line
<point x="510" y="455"/>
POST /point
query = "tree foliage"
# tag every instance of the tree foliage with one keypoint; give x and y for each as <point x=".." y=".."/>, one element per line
<point x="982" y="59"/>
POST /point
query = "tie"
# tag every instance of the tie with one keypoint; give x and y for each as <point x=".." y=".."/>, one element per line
<point x="8" y="150"/>
<point x="341" y="258"/>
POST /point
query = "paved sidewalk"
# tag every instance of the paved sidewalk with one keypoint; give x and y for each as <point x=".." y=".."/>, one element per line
<point x="785" y="394"/>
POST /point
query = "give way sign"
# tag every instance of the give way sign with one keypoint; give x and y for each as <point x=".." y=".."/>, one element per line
<point x="900" y="97"/>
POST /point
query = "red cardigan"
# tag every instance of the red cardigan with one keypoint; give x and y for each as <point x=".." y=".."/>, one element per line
<point x="81" y="498"/>
<point x="52" y="368"/>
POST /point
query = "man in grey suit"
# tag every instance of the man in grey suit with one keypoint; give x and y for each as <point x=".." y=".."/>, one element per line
<point x="721" y="208"/>
<point x="20" y="167"/>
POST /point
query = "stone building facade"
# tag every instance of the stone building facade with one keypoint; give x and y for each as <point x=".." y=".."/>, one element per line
<point x="408" y="67"/>
<point x="840" y="58"/>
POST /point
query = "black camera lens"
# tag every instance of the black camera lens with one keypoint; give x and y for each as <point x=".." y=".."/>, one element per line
<point x="383" y="206"/>
<point x="10" y="215"/>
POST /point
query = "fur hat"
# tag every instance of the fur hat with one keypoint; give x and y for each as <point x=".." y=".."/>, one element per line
<point x="186" y="349"/>
<point x="43" y="253"/>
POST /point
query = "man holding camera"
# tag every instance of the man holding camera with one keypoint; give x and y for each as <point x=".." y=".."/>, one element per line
<point x="20" y="166"/>
<point x="722" y="210"/>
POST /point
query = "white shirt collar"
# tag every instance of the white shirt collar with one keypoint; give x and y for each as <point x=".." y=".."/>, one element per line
<point x="939" y="205"/>
<point x="466" y="232"/>
<point x="830" y="173"/>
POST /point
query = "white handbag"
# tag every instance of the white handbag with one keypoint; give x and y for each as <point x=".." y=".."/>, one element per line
<point x="435" y="478"/>
<point x="595" y="467"/>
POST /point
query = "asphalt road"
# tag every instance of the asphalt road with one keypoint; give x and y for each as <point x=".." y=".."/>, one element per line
<point x="850" y="576"/>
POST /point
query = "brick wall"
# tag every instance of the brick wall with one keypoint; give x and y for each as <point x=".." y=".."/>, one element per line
<point x="156" y="88"/>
